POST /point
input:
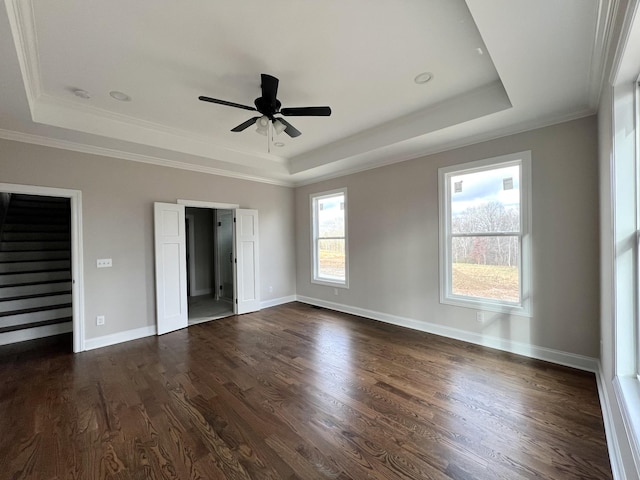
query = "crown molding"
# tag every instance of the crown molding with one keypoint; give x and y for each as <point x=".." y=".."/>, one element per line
<point x="134" y="157"/>
<point x="22" y="24"/>
<point x="607" y="12"/>
<point x="445" y="147"/>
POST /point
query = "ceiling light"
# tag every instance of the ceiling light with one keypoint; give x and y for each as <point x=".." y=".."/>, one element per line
<point x="422" y="78"/>
<point x="123" y="97"/>
<point x="279" y="144"/>
<point x="78" y="92"/>
<point x="263" y="125"/>
<point x="279" y="127"/>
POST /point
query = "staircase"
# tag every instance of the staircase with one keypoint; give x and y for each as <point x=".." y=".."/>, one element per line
<point x="35" y="268"/>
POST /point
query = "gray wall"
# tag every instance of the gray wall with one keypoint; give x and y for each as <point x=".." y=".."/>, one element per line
<point x="393" y="240"/>
<point x="117" y="203"/>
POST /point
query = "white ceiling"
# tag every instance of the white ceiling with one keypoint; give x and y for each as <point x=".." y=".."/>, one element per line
<point x="499" y="66"/>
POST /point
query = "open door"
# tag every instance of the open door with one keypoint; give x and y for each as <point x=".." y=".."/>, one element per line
<point x="171" y="267"/>
<point x="247" y="277"/>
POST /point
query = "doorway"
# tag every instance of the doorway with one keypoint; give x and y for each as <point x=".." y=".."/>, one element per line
<point x="209" y="246"/>
<point x="41" y="263"/>
<point x="170" y="238"/>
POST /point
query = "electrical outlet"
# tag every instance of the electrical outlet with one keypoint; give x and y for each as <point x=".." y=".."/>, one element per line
<point x="335" y="291"/>
<point x="104" y="262"/>
<point x="480" y="317"/>
<point x="100" y="320"/>
<point x="270" y="289"/>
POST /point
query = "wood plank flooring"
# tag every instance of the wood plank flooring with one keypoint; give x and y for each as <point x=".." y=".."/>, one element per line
<point x="295" y="392"/>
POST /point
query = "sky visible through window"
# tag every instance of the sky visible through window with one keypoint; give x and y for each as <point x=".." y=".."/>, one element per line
<point x="331" y="216"/>
<point x="480" y="188"/>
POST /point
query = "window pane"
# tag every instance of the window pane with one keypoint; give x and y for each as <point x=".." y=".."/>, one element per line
<point x="331" y="216"/>
<point x="486" y="267"/>
<point x="331" y="259"/>
<point x="486" y="201"/>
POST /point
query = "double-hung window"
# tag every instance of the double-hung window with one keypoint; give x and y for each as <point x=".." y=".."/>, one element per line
<point x="485" y="245"/>
<point x="329" y="238"/>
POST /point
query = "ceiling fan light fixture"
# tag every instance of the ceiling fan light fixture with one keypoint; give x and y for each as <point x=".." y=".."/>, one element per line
<point x="279" y="127"/>
<point x="263" y="125"/>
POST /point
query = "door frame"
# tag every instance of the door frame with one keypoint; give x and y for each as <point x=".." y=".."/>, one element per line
<point x="191" y="248"/>
<point x="77" y="276"/>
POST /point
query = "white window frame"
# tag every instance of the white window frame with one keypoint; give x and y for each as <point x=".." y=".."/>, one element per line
<point x="313" y="201"/>
<point x="523" y="308"/>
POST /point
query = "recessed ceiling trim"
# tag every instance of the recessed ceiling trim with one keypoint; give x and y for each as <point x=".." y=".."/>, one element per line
<point x="602" y="43"/>
<point x="85" y="118"/>
<point x="480" y="102"/>
<point x="55" y="112"/>
<point x="22" y="23"/>
<point x="390" y="159"/>
<point x="134" y="157"/>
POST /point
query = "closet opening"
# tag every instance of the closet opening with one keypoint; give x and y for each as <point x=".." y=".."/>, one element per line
<point x="210" y="262"/>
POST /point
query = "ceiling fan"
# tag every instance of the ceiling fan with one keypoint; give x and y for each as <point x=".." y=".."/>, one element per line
<point x="269" y="106"/>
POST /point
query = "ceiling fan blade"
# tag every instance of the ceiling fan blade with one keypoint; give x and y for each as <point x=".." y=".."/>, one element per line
<point x="290" y="130"/>
<point x="224" y="102"/>
<point x="306" y="111"/>
<point x="269" y="88"/>
<point x="245" y="125"/>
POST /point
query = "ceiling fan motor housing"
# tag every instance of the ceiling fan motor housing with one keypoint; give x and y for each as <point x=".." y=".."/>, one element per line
<point x="266" y="108"/>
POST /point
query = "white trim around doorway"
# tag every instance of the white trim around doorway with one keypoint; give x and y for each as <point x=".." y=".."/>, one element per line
<point x="214" y="205"/>
<point x="77" y="288"/>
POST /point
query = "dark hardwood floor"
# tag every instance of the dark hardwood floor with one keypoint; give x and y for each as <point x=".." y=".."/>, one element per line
<point x="295" y="392"/>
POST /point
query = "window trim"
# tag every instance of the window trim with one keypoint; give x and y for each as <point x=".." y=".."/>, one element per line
<point x="313" y="198"/>
<point x="524" y="307"/>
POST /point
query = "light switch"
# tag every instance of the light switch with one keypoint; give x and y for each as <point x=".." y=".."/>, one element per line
<point x="104" y="262"/>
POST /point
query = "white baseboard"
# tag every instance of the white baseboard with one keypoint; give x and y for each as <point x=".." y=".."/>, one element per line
<point x="35" y="332"/>
<point x="114" y="338"/>
<point x="277" y="301"/>
<point x="541" y="353"/>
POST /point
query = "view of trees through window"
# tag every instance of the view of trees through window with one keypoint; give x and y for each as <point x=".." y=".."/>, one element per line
<point x="330" y="240"/>
<point x="485" y="234"/>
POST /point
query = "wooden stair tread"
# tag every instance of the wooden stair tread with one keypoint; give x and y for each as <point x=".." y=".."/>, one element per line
<point x="35" y="309"/>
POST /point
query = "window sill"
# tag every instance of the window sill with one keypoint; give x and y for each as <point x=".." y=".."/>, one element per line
<point x="627" y="391"/>
<point x="329" y="283"/>
<point x="487" y="306"/>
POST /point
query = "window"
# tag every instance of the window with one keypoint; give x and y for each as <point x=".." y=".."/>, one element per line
<point x="485" y="249"/>
<point x="329" y="238"/>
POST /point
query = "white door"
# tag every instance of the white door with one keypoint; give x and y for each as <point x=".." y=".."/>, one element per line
<point x="247" y="264"/>
<point x="171" y="267"/>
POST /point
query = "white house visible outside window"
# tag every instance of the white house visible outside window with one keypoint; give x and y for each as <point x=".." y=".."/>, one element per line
<point x="329" y="238"/>
<point x="485" y="246"/>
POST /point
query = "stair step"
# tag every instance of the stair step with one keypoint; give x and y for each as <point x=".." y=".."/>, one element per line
<point x="39" y="245"/>
<point x="34" y="266"/>
<point x="31" y="303"/>
<point x="22" y="227"/>
<point x="23" y="278"/>
<point x="35" y="255"/>
<point x="43" y="323"/>
<point x="59" y="206"/>
<point x="34" y="310"/>
<point x="30" y="236"/>
<point x="33" y="210"/>
<point x="25" y="197"/>
<point x="35" y="289"/>
<point x="36" y="219"/>
<point x="25" y="318"/>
